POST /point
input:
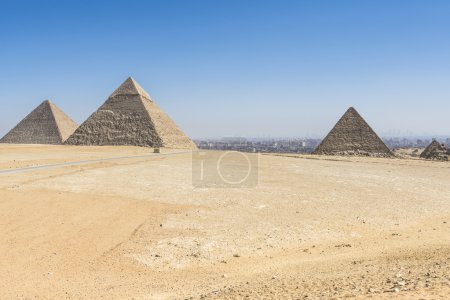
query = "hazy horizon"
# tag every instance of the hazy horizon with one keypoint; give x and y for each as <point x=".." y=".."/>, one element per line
<point x="439" y="137"/>
<point x="235" y="68"/>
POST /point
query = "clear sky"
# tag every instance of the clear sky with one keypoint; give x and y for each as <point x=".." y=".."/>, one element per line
<point x="250" y="68"/>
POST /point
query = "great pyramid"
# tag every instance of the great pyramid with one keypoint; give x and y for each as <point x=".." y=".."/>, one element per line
<point x="353" y="136"/>
<point x="46" y="124"/>
<point x="130" y="117"/>
<point x="436" y="151"/>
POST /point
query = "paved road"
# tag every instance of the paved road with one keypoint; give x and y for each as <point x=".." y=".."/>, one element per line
<point x="83" y="162"/>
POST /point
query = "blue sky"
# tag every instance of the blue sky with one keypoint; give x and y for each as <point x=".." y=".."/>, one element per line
<point x="234" y="68"/>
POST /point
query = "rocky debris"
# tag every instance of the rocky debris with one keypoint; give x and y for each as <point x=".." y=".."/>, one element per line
<point x="407" y="152"/>
<point x="399" y="279"/>
<point x="343" y="246"/>
<point x="46" y="124"/>
<point x="353" y="136"/>
<point x="436" y="151"/>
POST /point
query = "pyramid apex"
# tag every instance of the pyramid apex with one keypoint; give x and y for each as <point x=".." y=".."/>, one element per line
<point x="46" y="103"/>
<point x="435" y="142"/>
<point x="130" y="87"/>
<point x="130" y="79"/>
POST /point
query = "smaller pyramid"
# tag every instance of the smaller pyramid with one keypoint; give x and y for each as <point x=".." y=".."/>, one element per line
<point x="353" y="136"/>
<point x="436" y="151"/>
<point x="46" y="124"/>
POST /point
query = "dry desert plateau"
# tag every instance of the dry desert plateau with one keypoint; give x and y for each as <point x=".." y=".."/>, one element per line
<point x="126" y="223"/>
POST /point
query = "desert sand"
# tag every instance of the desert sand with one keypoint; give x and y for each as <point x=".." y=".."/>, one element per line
<point x="128" y="224"/>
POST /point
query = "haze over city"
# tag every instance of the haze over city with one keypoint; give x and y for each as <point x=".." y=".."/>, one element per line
<point x="235" y="68"/>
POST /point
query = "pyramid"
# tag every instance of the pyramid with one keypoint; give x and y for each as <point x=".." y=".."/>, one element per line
<point x="352" y="136"/>
<point x="130" y="117"/>
<point x="436" y="151"/>
<point x="46" y="124"/>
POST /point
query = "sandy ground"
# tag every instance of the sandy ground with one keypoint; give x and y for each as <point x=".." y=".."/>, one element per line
<point x="137" y="228"/>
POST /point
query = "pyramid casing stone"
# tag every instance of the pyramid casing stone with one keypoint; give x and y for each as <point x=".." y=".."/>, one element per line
<point x="130" y="117"/>
<point x="46" y="124"/>
<point x="436" y="151"/>
<point x="353" y="136"/>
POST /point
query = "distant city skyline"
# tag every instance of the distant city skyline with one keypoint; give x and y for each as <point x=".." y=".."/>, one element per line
<point x="235" y="68"/>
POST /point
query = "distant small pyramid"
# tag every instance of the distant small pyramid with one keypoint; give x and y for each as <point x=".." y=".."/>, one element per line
<point x="353" y="136"/>
<point x="46" y="124"/>
<point x="130" y="117"/>
<point x="436" y="151"/>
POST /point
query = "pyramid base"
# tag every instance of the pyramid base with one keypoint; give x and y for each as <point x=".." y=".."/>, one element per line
<point x="360" y="153"/>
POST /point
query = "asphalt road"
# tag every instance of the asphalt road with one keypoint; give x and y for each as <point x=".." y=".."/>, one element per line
<point x="83" y="162"/>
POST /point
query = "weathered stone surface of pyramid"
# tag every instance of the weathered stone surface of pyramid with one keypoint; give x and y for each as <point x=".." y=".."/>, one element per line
<point x="353" y="136"/>
<point x="130" y="117"/>
<point x="436" y="151"/>
<point x="46" y="124"/>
